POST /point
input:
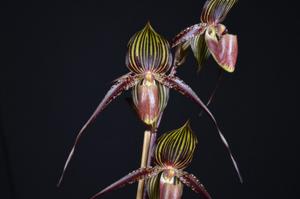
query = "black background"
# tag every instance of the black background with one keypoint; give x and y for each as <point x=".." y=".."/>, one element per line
<point x="59" y="60"/>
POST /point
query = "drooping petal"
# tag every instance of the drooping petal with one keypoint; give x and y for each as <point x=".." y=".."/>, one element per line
<point x="200" y="50"/>
<point x="147" y="50"/>
<point x="215" y="11"/>
<point x="142" y="173"/>
<point x="176" y="148"/>
<point x="224" y="50"/>
<point x="123" y="83"/>
<point x="212" y="94"/>
<point x="191" y="181"/>
<point x="188" y="34"/>
<point x="183" y="88"/>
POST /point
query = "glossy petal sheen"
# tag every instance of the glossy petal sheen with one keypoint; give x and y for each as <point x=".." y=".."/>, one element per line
<point x="145" y="97"/>
<point x="215" y="11"/>
<point x="147" y="50"/>
<point x="142" y="173"/>
<point x="170" y="187"/>
<point x="150" y="99"/>
<point x="176" y="148"/>
<point x="224" y="51"/>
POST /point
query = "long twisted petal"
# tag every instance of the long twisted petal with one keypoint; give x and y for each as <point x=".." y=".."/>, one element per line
<point x="142" y="173"/>
<point x="188" y="34"/>
<point x="183" y="88"/>
<point x="122" y="84"/>
<point x="191" y="181"/>
<point x="212" y="94"/>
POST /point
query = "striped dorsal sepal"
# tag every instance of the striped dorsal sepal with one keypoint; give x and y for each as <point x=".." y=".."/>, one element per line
<point x="148" y="51"/>
<point x="215" y="11"/>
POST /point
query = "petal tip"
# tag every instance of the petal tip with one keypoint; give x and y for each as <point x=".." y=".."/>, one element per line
<point x="229" y="69"/>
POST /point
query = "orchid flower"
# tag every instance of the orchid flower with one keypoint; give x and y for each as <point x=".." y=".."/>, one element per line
<point x="173" y="153"/>
<point x="148" y="59"/>
<point x="209" y="37"/>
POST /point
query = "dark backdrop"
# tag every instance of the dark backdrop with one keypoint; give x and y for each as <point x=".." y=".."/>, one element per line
<point x="60" y="58"/>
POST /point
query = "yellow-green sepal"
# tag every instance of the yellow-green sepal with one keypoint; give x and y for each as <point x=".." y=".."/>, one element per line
<point x="176" y="148"/>
<point x="200" y="50"/>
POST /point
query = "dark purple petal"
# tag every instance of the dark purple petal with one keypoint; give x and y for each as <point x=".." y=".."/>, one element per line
<point x="191" y="181"/>
<point x="188" y="34"/>
<point x="212" y="94"/>
<point x="123" y="83"/>
<point x="183" y="88"/>
<point x="142" y="173"/>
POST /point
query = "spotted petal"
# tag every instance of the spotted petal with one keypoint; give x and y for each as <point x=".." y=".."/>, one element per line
<point x="183" y="88"/>
<point x="215" y="11"/>
<point x="224" y="50"/>
<point x="147" y="50"/>
<point x="188" y="34"/>
<point x="191" y="181"/>
<point x="176" y="148"/>
<point x="123" y="83"/>
<point x="142" y="173"/>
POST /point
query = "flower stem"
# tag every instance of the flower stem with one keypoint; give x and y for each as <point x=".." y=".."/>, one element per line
<point x="144" y="162"/>
<point x="147" y="154"/>
<point x="151" y="148"/>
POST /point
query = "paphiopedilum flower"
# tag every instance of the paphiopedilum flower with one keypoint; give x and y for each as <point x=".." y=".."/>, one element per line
<point x="173" y="153"/>
<point x="149" y="59"/>
<point x="209" y="37"/>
